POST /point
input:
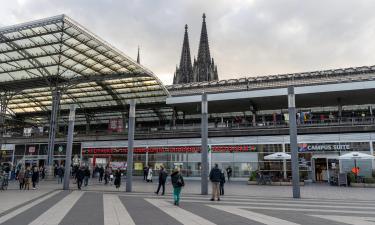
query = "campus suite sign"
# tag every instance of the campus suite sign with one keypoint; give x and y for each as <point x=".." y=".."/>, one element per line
<point x="323" y="147"/>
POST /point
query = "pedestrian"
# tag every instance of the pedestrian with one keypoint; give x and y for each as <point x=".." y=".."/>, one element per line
<point x="79" y="177"/>
<point x="149" y="175"/>
<point x="28" y="175"/>
<point x="162" y="179"/>
<point x="42" y="172"/>
<point x="117" y="179"/>
<point x="55" y="168"/>
<point x="229" y="172"/>
<point x="35" y="177"/>
<point x="60" y="174"/>
<point x="215" y="177"/>
<point x="177" y="183"/>
<point x="106" y="175"/>
<point x="101" y="174"/>
<point x="87" y="176"/>
<point x="222" y="182"/>
<point x="21" y="178"/>
<point x="145" y="172"/>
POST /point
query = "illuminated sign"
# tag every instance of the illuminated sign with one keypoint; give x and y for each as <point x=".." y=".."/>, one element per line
<point x="171" y="149"/>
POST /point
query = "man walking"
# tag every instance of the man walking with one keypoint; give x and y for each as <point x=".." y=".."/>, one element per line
<point x="229" y="172"/>
<point x="60" y="174"/>
<point x="215" y="178"/>
<point x="79" y="176"/>
<point x="87" y="176"/>
<point x="162" y="179"/>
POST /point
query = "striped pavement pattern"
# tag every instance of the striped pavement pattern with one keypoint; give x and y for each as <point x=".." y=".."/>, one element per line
<point x="119" y="208"/>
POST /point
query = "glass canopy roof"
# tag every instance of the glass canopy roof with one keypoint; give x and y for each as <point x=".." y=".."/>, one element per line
<point x="57" y="53"/>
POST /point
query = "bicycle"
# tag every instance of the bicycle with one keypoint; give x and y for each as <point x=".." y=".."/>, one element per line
<point x="4" y="181"/>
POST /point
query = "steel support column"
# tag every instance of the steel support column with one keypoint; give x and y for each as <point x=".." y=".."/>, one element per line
<point x="56" y="96"/>
<point x="293" y="141"/>
<point x="129" y="168"/>
<point x="3" y="108"/>
<point x="204" y="148"/>
<point x="69" y="145"/>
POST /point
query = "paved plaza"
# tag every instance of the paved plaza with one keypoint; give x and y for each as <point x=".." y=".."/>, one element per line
<point x="243" y="204"/>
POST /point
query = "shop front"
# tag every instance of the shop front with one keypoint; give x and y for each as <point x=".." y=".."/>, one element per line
<point x="6" y="153"/>
<point x="243" y="159"/>
<point x="321" y="160"/>
<point x="37" y="154"/>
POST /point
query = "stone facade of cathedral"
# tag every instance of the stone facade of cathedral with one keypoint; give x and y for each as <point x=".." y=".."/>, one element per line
<point x="203" y="68"/>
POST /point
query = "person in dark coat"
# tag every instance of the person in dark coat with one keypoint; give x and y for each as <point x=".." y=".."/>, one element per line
<point x="101" y="174"/>
<point x="162" y="179"/>
<point x="87" y="176"/>
<point x="145" y="172"/>
<point x="35" y="177"/>
<point x="80" y="175"/>
<point x="117" y="179"/>
<point x="229" y="172"/>
<point x="222" y="182"/>
<point x="177" y="183"/>
<point x="60" y="174"/>
<point x="215" y="178"/>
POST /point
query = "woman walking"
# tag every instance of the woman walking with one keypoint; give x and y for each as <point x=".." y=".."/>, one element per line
<point x="149" y="175"/>
<point x="177" y="183"/>
<point x="28" y="175"/>
<point x="21" y="178"/>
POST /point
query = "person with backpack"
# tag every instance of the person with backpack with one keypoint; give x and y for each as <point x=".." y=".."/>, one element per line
<point x="177" y="183"/>
<point x="222" y="182"/>
<point x="162" y="179"/>
<point x="60" y="174"/>
<point x="28" y="175"/>
<point x="215" y="178"/>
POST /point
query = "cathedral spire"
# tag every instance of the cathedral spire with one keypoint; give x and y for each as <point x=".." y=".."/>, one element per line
<point x="204" y="49"/>
<point x="184" y="74"/>
<point x="204" y="67"/>
<point x="138" y="59"/>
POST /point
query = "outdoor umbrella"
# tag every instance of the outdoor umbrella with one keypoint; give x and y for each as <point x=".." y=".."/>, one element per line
<point x="278" y="156"/>
<point x="355" y="156"/>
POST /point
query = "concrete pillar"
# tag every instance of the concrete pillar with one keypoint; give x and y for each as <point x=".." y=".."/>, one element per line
<point x="293" y="141"/>
<point x="129" y="168"/>
<point x="204" y="148"/>
<point x="284" y="164"/>
<point x="69" y="146"/>
<point x="372" y="153"/>
<point x="56" y="96"/>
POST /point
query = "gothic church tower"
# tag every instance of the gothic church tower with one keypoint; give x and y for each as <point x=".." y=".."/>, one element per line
<point x="203" y="69"/>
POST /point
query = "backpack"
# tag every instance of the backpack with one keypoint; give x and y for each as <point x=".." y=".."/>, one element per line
<point x="179" y="182"/>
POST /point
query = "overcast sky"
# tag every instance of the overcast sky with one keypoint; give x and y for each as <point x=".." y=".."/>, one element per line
<point x="247" y="37"/>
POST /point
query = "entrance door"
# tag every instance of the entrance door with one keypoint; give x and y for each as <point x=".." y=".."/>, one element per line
<point x="320" y="169"/>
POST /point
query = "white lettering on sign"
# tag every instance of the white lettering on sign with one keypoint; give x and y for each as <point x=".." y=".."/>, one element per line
<point x="323" y="147"/>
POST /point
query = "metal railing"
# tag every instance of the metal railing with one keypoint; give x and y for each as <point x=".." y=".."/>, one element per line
<point x="229" y="126"/>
